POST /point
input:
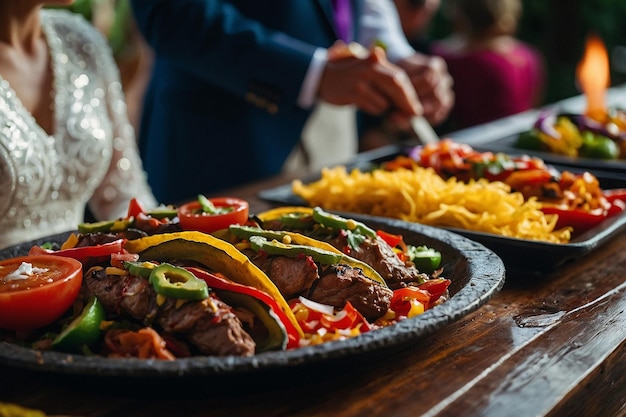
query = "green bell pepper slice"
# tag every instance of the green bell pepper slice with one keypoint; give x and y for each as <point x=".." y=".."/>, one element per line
<point x="172" y="281"/>
<point x="336" y="222"/>
<point x="274" y="247"/>
<point x="425" y="259"/>
<point x="84" y="330"/>
<point x="246" y="232"/>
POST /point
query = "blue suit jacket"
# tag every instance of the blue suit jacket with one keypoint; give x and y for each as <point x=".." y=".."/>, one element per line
<point x="220" y="109"/>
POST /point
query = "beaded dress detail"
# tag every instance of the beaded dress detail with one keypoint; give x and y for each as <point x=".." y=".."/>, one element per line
<point x="91" y="158"/>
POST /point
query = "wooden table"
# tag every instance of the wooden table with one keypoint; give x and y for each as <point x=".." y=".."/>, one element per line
<point x="549" y="344"/>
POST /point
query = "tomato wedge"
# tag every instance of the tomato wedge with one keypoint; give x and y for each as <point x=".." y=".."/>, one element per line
<point x="36" y="290"/>
<point x="192" y="216"/>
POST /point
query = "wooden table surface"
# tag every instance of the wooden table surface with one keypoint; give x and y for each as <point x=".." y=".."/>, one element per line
<point x="548" y="344"/>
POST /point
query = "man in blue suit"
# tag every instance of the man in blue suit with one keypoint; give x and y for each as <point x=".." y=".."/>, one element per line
<point x="234" y="82"/>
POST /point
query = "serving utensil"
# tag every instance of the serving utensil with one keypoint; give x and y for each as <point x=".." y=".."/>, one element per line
<point x="423" y="130"/>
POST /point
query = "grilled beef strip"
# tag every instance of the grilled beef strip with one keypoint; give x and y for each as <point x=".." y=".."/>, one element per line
<point x="209" y="325"/>
<point x="335" y="285"/>
<point x="341" y="283"/>
<point x="380" y="256"/>
<point x="375" y="252"/>
<point x="292" y="276"/>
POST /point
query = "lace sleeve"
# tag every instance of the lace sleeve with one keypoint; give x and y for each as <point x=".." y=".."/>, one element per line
<point x="125" y="178"/>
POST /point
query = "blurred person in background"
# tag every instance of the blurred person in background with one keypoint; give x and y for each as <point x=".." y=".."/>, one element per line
<point x="235" y="84"/>
<point x="65" y="139"/>
<point x="495" y="74"/>
<point x="415" y="18"/>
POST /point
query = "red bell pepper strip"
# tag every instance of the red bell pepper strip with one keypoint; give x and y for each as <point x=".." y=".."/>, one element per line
<point x="426" y="293"/>
<point x="221" y="283"/>
<point x="436" y="287"/>
<point x="391" y="239"/>
<point x="134" y="208"/>
<point x="318" y="316"/>
<point x="401" y="300"/>
<point x="345" y="319"/>
<point x="84" y="253"/>
<point x="582" y="220"/>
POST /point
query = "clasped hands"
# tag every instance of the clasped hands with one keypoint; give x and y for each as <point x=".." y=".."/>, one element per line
<point x="415" y="86"/>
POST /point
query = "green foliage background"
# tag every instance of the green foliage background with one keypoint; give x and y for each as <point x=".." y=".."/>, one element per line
<point x="558" y="28"/>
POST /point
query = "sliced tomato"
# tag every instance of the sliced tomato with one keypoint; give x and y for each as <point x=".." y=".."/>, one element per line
<point x="192" y="217"/>
<point x="36" y="290"/>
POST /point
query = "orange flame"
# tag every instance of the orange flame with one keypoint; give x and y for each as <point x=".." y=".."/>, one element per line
<point x="593" y="76"/>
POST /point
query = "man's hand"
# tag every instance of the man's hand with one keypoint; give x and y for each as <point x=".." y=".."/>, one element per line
<point x="366" y="79"/>
<point x="433" y="84"/>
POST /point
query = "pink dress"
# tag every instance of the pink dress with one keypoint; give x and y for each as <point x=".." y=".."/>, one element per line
<point x="489" y="85"/>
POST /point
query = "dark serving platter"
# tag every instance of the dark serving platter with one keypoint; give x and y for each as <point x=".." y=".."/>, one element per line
<point x="518" y="254"/>
<point x="615" y="168"/>
<point x="477" y="274"/>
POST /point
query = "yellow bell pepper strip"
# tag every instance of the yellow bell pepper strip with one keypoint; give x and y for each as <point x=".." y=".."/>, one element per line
<point x="174" y="282"/>
<point x="215" y="254"/>
<point x="281" y="333"/>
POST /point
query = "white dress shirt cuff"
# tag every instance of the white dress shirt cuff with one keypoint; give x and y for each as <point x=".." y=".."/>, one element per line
<point x="308" y="93"/>
<point x="380" y="23"/>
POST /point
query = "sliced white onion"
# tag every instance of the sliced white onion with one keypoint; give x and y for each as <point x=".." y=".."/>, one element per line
<point x="313" y="305"/>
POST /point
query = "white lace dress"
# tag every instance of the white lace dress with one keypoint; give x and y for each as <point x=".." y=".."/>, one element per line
<point x="46" y="181"/>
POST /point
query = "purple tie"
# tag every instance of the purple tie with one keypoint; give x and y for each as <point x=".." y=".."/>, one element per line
<point x="343" y="19"/>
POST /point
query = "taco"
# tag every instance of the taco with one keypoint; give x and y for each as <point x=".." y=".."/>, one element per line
<point x="304" y="267"/>
<point x="397" y="263"/>
<point x="199" y="291"/>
